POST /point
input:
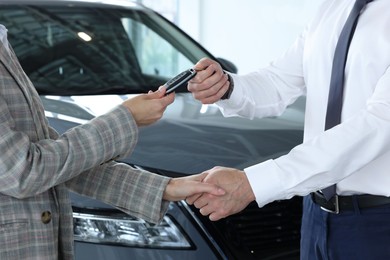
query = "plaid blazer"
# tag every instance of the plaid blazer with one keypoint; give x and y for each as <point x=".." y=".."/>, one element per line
<point x="38" y="167"/>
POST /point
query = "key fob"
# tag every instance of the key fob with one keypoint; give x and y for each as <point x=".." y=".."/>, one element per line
<point x="179" y="80"/>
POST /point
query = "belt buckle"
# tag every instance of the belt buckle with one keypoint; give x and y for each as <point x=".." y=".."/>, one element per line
<point x="335" y="203"/>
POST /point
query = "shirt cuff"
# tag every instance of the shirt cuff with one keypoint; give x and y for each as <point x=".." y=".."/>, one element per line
<point x="229" y="106"/>
<point x="265" y="181"/>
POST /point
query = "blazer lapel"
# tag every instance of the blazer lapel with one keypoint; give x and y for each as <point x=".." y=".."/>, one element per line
<point x="9" y="60"/>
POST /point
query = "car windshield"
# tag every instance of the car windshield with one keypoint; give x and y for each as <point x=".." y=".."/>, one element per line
<point x="85" y="60"/>
<point x="78" y="50"/>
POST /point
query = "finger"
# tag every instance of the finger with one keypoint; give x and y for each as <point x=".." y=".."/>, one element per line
<point x="214" y="216"/>
<point x="201" y="202"/>
<point x="210" y="75"/>
<point x="211" y="99"/>
<point x="168" y="99"/>
<point x="162" y="89"/>
<point x="212" y="89"/>
<point x="201" y="77"/>
<point x="217" y="81"/>
<point x="203" y="63"/>
<point x="206" y="210"/>
<point x="191" y="199"/>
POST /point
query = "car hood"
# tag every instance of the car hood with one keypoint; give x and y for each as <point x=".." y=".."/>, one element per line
<point x="191" y="137"/>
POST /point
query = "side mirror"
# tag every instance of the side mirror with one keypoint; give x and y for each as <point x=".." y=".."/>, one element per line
<point x="227" y="65"/>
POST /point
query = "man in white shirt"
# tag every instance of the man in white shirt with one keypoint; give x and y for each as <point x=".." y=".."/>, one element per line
<point x="354" y="155"/>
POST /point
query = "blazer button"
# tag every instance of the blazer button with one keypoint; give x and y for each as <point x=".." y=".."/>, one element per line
<point x="46" y="217"/>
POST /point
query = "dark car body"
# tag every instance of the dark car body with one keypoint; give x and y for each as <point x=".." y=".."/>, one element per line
<point x="78" y="79"/>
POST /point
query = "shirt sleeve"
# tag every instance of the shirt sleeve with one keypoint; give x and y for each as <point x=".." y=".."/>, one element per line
<point x="329" y="157"/>
<point x="268" y="91"/>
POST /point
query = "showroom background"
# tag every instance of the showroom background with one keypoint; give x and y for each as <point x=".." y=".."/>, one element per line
<point x="250" y="33"/>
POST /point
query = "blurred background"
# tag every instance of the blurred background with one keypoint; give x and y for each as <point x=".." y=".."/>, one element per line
<point x="250" y="33"/>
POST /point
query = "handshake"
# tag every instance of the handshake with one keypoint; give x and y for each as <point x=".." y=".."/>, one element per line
<point x="217" y="193"/>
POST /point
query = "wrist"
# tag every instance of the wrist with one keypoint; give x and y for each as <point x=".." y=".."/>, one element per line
<point x="167" y="191"/>
<point x="229" y="92"/>
<point x="250" y="195"/>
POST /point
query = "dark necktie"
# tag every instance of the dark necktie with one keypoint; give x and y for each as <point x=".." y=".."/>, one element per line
<point x="335" y="99"/>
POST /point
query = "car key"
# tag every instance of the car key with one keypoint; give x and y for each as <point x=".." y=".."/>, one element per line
<point x="179" y="80"/>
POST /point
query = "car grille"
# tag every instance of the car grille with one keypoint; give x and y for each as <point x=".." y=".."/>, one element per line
<point x="268" y="233"/>
<point x="271" y="232"/>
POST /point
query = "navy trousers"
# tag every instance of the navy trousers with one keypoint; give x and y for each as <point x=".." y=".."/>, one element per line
<point x="359" y="234"/>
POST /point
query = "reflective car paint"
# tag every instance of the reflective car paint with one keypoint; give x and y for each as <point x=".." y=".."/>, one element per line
<point x="79" y="80"/>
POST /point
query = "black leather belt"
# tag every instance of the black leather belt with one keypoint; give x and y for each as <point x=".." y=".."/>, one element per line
<point x="342" y="203"/>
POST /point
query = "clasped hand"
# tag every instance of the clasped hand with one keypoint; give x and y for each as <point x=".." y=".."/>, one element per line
<point x="218" y="192"/>
<point x="238" y="193"/>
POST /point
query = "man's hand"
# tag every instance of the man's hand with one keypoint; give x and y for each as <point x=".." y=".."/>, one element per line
<point x="148" y="108"/>
<point x="238" y="193"/>
<point x="181" y="188"/>
<point x="210" y="82"/>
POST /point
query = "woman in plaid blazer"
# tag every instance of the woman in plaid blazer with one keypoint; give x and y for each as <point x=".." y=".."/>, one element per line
<point x="38" y="167"/>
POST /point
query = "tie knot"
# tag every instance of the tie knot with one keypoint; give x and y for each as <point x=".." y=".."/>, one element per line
<point x="359" y="5"/>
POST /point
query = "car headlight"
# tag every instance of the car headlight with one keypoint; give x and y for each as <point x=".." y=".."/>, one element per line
<point x="128" y="231"/>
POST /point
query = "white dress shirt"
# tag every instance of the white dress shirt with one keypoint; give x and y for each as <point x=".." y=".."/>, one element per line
<point x="354" y="154"/>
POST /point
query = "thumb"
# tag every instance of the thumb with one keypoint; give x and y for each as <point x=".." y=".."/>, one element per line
<point x="199" y="177"/>
<point x="203" y="64"/>
<point x="202" y="187"/>
<point x="158" y="93"/>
